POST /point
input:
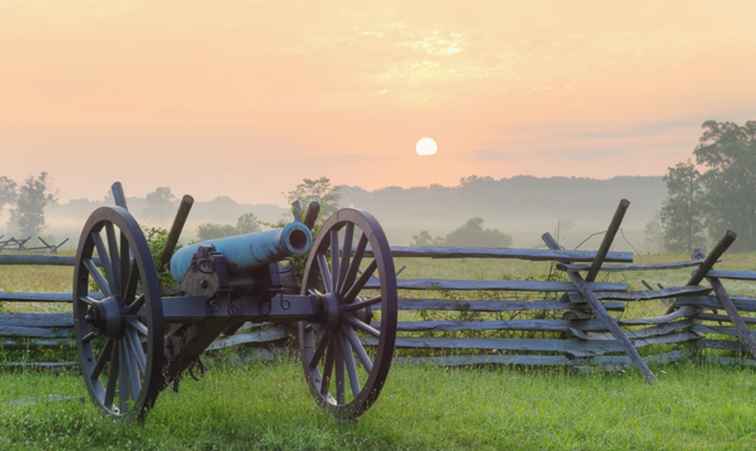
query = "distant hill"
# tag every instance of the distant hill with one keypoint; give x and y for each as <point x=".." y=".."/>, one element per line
<point x="522" y="206"/>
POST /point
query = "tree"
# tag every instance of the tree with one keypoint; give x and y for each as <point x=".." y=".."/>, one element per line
<point x="247" y="223"/>
<point x="728" y="153"/>
<point x="681" y="213"/>
<point x="8" y="192"/>
<point x="28" y="215"/>
<point x="160" y="203"/>
<point x="472" y="233"/>
<point x="319" y="190"/>
<point x="424" y="239"/>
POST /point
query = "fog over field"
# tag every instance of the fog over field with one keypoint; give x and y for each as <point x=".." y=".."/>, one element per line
<point x="521" y="206"/>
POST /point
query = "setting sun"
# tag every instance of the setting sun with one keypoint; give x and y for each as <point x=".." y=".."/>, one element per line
<point x="426" y="147"/>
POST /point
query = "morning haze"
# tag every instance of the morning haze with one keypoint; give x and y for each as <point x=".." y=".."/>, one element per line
<point x="245" y="99"/>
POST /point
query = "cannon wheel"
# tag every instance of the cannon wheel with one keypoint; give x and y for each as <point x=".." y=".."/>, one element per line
<point x="118" y="325"/>
<point x="338" y="272"/>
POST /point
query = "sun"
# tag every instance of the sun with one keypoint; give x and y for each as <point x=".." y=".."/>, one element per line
<point x="426" y="147"/>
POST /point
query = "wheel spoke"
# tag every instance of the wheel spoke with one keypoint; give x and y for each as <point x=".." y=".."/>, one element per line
<point x="132" y="281"/>
<point x="325" y="381"/>
<point x="139" y="326"/>
<point x="347" y="254"/>
<point x="325" y="273"/>
<point x="112" y="376"/>
<point x="337" y="344"/>
<point x="126" y="266"/>
<point x="137" y="351"/>
<point x="136" y="305"/>
<point x="354" y="266"/>
<point x="322" y="343"/>
<point x="99" y="280"/>
<point x="89" y="301"/>
<point x="359" y="324"/>
<point x="132" y="368"/>
<point x="357" y="286"/>
<point x="115" y="259"/>
<point x="103" y="256"/>
<point x="335" y="259"/>
<point x="123" y="376"/>
<point x="103" y="358"/>
<point x="351" y="367"/>
<point x="89" y="337"/>
<point x="362" y="304"/>
<point x="356" y="344"/>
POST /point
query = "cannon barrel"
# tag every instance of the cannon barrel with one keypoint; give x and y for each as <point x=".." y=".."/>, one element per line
<point x="251" y="250"/>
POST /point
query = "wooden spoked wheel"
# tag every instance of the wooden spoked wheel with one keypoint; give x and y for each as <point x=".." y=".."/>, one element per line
<point x="118" y="315"/>
<point x="347" y="352"/>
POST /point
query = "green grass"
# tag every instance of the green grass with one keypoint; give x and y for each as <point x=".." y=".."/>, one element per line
<point x="268" y="407"/>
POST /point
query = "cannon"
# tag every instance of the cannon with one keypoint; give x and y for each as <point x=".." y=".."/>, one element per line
<point x="136" y="338"/>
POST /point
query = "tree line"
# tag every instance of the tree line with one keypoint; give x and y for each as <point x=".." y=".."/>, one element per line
<point x="712" y="192"/>
<point x="27" y="201"/>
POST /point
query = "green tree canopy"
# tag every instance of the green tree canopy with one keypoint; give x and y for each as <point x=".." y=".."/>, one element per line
<point x="472" y="233"/>
<point x="727" y="151"/>
<point x="247" y="223"/>
<point x="319" y="190"/>
<point x="681" y="214"/>
<point x="8" y="192"/>
<point x="28" y="215"/>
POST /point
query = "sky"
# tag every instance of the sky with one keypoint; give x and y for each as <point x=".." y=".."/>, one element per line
<point x="246" y="98"/>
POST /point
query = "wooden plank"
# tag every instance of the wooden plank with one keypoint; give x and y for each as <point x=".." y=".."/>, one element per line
<point x="727" y="345"/>
<point x="631" y="267"/>
<point x="667" y="339"/>
<point x="664" y="293"/>
<point x="494" y="285"/>
<point x="624" y="361"/>
<point x="724" y="318"/>
<point x="19" y="343"/>
<point x="62" y="320"/>
<point x="543" y="325"/>
<point x="267" y="335"/>
<point x="718" y="330"/>
<point x="6" y="296"/>
<point x="33" y="332"/>
<point x="732" y="275"/>
<point x="684" y="312"/>
<point x="39" y="365"/>
<point x="490" y="305"/>
<point x="568" y="346"/>
<point x="745" y="335"/>
<point x="474" y="360"/>
<point x="653" y="331"/>
<point x="37" y="260"/>
<point x="507" y="253"/>
<point x="712" y="258"/>
<point x="745" y="304"/>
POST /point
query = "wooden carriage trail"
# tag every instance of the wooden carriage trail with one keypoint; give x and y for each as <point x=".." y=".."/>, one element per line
<point x="589" y="331"/>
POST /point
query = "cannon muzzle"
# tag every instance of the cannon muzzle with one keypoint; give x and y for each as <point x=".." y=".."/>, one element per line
<point x="251" y="250"/>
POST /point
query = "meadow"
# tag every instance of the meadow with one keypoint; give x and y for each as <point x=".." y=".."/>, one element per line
<point x="258" y="405"/>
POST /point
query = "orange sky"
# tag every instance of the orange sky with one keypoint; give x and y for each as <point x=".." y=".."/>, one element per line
<point x="247" y="97"/>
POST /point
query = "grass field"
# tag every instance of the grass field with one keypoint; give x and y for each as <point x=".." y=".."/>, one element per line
<point x="267" y="406"/>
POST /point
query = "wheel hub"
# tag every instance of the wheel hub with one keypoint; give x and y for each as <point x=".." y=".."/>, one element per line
<point x="107" y="317"/>
<point x="333" y="310"/>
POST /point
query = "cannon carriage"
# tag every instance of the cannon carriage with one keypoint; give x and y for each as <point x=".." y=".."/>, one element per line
<point x="135" y="339"/>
